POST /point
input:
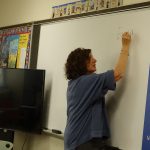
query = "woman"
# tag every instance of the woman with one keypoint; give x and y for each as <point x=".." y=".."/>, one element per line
<point x="87" y="127"/>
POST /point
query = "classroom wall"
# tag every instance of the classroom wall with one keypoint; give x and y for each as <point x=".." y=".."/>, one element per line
<point x="20" y="11"/>
<point x="17" y="12"/>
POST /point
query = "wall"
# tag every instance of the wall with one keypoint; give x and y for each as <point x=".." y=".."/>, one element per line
<point x="20" y="11"/>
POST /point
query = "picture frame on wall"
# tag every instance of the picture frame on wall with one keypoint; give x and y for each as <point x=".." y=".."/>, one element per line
<point x="68" y="9"/>
<point x="73" y="8"/>
<point x="91" y="6"/>
<point x="61" y="10"/>
<point x="55" y="12"/>
<point x="120" y="3"/>
<point x="78" y="7"/>
<point x="101" y="4"/>
<point x="65" y="10"/>
<point x="114" y="3"/>
<point x="83" y="6"/>
<point x="108" y="4"/>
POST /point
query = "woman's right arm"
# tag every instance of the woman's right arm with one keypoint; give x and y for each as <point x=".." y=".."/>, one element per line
<point x="123" y="58"/>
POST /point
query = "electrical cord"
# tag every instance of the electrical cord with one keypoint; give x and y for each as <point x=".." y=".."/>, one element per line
<point x="25" y="141"/>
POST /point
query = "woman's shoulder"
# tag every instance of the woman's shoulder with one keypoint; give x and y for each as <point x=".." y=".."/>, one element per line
<point x="92" y="76"/>
<point x="97" y="76"/>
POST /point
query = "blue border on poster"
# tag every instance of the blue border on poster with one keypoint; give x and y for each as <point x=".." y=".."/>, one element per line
<point x="146" y="130"/>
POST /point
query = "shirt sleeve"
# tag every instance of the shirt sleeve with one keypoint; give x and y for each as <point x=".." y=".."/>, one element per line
<point x="109" y="80"/>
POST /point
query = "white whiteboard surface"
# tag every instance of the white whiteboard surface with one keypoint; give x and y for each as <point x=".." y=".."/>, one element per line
<point x="126" y="106"/>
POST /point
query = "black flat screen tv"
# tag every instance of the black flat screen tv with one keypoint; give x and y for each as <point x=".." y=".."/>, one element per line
<point x="21" y="99"/>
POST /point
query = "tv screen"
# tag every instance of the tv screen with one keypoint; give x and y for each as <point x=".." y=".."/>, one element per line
<point x="21" y="99"/>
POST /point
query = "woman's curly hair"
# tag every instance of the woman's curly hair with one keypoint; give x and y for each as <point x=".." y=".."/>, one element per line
<point x="76" y="64"/>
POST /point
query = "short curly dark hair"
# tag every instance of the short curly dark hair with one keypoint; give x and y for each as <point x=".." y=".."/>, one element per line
<point x="76" y="63"/>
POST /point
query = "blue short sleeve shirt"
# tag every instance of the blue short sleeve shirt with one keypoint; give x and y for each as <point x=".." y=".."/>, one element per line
<point x="86" y="113"/>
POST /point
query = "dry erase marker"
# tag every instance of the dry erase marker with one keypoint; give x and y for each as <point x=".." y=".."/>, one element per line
<point x="56" y="131"/>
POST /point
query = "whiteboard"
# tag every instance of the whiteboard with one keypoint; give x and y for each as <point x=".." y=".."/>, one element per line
<point x="102" y="34"/>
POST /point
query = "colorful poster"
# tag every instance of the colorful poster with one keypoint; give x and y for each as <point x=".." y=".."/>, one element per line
<point x="13" y="48"/>
<point x="4" y="52"/>
<point x="8" y="43"/>
<point x="146" y="130"/>
<point x="91" y="6"/>
<point x="114" y="3"/>
<point x="22" y="48"/>
<point x="27" y="60"/>
<point x="1" y="35"/>
<point x="101" y="4"/>
<point x="84" y="7"/>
